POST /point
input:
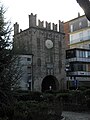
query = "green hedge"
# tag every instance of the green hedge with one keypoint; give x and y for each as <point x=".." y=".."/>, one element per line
<point x="88" y="103"/>
<point x="87" y="92"/>
<point x="27" y="95"/>
<point x="35" y="110"/>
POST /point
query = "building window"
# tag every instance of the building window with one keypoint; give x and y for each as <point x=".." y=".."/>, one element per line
<point x="89" y="54"/>
<point x="71" y="39"/>
<point x="28" y="59"/>
<point x="51" y="71"/>
<point x="29" y="86"/>
<point x="60" y="65"/>
<point x="48" y="59"/>
<point x="80" y="25"/>
<point x="29" y="78"/>
<point x="39" y="62"/>
<point x="81" y="67"/>
<point x="72" y="67"/>
<point x="88" y="23"/>
<point x="88" y="67"/>
<point x="70" y="54"/>
<point x="81" y="36"/>
<point x="82" y="54"/>
<point x="29" y="70"/>
<point x="48" y="71"/>
<point x="38" y="43"/>
<point x="78" y="67"/>
<point x="71" y="28"/>
<point x="88" y="34"/>
<point x="86" y="54"/>
<point x="60" y="44"/>
<point x="89" y="46"/>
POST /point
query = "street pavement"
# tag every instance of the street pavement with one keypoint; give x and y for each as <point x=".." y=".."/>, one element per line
<point x="75" y="116"/>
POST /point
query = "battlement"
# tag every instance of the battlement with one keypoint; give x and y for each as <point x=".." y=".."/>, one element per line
<point x="48" y="25"/>
<point x="16" y="28"/>
<point x="41" y="24"/>
<point x="32" y="20"/>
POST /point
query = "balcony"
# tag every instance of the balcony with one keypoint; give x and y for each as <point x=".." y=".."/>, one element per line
<point x="79" y="74"/>
<point x="80" y="40"/>
<point x="79" y="60"/>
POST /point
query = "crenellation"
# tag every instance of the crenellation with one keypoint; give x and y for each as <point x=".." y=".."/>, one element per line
<point x="61" y="27"/>
<point x="33" y="23"/>
<point x="32" y="20"/>
<point x="48" y="25"/>
<point x="20" y="30"/>
<point x="40" y="24"/>
<point x="16" y="28"/>
<point x="54" y="26"/>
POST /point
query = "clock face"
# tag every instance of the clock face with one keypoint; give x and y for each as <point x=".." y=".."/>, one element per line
<point x="49" y="44"/>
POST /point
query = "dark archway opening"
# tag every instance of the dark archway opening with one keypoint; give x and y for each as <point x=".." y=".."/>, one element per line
<point x="49" y="83"/>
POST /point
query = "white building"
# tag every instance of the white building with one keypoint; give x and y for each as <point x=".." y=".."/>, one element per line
<point x="26" y="80"/>
<point x="78" y="43"/>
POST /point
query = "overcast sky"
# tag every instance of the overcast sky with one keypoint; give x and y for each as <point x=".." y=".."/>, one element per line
<point x="47" y="10"/>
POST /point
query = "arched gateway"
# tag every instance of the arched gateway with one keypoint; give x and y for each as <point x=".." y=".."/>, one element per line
<point x="50" y="83"/>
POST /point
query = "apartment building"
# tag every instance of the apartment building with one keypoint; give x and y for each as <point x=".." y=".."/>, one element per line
<point x="78" y="50"/>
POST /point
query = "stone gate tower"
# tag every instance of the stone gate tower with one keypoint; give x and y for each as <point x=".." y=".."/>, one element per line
<point x="48" y="49"/>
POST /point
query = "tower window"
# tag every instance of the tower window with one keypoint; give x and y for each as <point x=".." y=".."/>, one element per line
<point x="28" y="59"/>
<point x="39" y="62"/>
<point x="29" y="70"/>
<point x="38" y="43"/>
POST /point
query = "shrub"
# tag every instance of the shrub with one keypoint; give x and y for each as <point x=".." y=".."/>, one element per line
<point x="82" y="88"/>
<point x="87" y="92"/>
<point x="88" y="103"/>
<point x="63" y="96"/>
<point x="27" y="95"/>
<point x="35" y="110"/>
<point x="48" y="97"/>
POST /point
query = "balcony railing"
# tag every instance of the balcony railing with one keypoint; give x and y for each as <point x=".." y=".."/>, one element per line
<point x="80" y="40"/>
<point x="79" y="60"/>
<point x="79" y="73"/>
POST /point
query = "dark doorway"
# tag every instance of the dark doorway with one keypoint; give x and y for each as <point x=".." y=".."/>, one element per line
<point x="49" y="83"/>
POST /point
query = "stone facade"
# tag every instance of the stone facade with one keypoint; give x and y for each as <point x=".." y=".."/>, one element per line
<point x="48" y="49"/>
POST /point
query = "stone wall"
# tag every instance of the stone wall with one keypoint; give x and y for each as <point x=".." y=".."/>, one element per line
<point x="45" y="61"/>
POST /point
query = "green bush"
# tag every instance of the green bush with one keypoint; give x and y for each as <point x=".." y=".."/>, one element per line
<point x="63" y="96"/>
<point x="88" y="103"/>
<point x="82" y="88"/>
<point x="27" y="95"/>
<point x="35" y="110"/>
<point x="48" y="97"/>
<point x="87" y="92"/>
